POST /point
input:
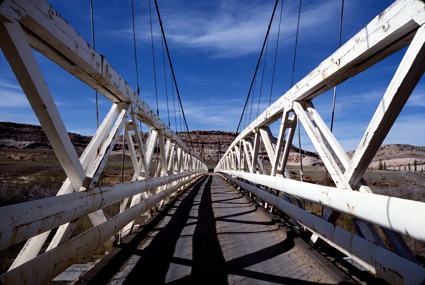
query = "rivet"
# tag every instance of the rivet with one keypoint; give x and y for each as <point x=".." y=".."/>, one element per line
<point x="385" y="27"/>
<point x="51" y="13"/>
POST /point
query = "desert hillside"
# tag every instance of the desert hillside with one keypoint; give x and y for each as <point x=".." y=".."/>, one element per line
<point x="400" y="156"/>
<point x="23" y="136"/>
<point x="211" y="145"/>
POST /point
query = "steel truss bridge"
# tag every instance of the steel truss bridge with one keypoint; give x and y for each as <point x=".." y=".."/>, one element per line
<point x="380" y="221"/>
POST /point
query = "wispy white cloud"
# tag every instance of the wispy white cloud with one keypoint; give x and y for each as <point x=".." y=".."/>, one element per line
<point x="406" y="130"/>
<point x="18" y="116"/>
<point x="12" y="98"/>
<point x="214" y="115"/>
<point x="417" y="99"/>
<point x="238" y="29"/>
<point x="209" y="114"/>
<point x="229" y="28"/>
<point x="9" y="85"/>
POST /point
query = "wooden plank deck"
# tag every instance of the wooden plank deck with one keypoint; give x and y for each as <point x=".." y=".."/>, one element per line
<point x="211" y="234"/>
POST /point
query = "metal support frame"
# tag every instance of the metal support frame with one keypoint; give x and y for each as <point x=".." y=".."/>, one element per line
<point x="380" y="261"/>
<point x="28" y="25"/>
<point x="402" y="24"/>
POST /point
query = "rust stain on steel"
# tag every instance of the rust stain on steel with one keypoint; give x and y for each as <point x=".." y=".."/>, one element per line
<point x="351" y="208"/>
<point x="394" y="275"/>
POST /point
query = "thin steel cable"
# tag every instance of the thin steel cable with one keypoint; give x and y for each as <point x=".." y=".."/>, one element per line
<point x="180" y="121"/>
<point x="123" y="156"/>
<point x="252" y="100"/>
<point x="94" y="47"/>
<point x="245" y="115"/>
<point x="300" y="152"/>
<point x="153" y="59"/>
<point x="262" y="77"/>
<point x="256" y="68"/>
<point x="275" y="53"/>
<point x="339" y="45"/>
<point x="135" y="49"/>
<point x="172" y="71"/>
<point x="292" y="83"/>
<point x="296" y="44"/>
<point x="174" y="106"/>
<point x="165" y="82"/>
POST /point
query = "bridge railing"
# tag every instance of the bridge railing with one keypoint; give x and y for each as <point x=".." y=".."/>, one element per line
<point x="28" y="25"/>
<point x="379" y="221"/>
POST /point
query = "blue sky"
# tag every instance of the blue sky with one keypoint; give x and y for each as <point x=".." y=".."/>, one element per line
<point x="215" y="46"/>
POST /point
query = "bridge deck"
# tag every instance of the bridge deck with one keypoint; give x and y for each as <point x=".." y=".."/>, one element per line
<point x="213" y="235"/>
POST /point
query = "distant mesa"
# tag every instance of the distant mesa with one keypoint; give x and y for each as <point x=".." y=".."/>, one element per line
<point x="25" y="136"/>
<point x="211" y="145"/>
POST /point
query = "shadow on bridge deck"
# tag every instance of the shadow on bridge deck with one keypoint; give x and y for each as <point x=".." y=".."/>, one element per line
<point x="211" y="234"/>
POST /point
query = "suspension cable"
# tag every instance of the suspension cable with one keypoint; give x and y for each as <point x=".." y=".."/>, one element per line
<point x="172" y="72"/>
<point x="153" y="59"/>
<point x="292" y="83"/>
<point x="135" y="49"/>
<point x="275" y="53"/>
<point x="339" y="45"/>
<point x="252" y="100"/>
<point x="174" y="109"/>
<point x="165" y="81"/>
<point x="258" y="63"/>
<point x="262" y="77"/>
<point x="94" y="47"/>
<point x="296" y="44"/>
<point x="123" y="155"/>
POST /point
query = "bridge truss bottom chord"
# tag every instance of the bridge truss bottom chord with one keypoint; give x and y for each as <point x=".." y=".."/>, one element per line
<point x="213" y="234"/>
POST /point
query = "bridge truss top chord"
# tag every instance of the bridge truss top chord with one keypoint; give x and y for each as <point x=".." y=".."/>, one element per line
<point x="401" y="25"/>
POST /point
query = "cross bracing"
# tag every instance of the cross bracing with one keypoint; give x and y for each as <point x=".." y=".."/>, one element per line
<point x="401" y="25"/>
<point x="36" y="25"/>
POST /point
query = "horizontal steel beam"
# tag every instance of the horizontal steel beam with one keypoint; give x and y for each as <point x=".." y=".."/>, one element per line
<point x="22" y="221"/>
<point x="400" y="215"/>
<point x="386" y="264"/>
<point x="49" y="264"/>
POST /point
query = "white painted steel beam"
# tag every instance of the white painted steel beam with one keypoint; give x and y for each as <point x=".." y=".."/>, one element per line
<point x="324" y="152"/>
<point x="287" y="148"/>
<point x="25" y="24"/>
<point x="19" y="54"/>
<point x="94" y="173"/>
<point x="255" y="150"/>
<point x="40" y="270"/>
<point x="386" y="264"/>
<point x="398" y="26"/>
<point x="402" y="85"/>
<point x="397" y="214"/>
<point x="131" y="146"/>
<point x="268" y="142"/>
<point x="41" y="215"/>
<point x="280" y="140"/>
<point x="34" y="245"/>
<point x="333" y="149"/>
<point x="91" y="152"/>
